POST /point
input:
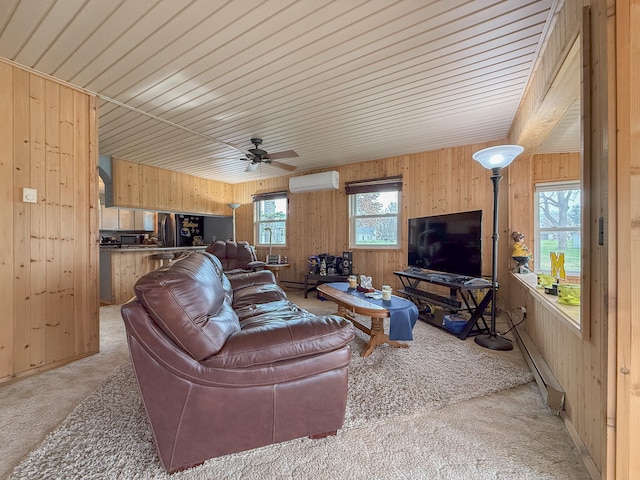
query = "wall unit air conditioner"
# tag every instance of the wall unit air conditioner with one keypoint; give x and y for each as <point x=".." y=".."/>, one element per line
<point x="315" y="182"/>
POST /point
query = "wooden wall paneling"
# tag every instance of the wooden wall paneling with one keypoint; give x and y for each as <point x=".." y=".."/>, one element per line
<point x="9" y="191"/>
<point x="212" y="197"/>
<point x="200" y="195"/>
<point x="125" y="183"/>
<point x="149" y="185"/>
<point x="49" y="134"/>
<point x="187" y="184"/>
<point x="38" y="243"/>
<point x="93" y="295"/>
<point x="174" y="194"/>
<point x="85" y="339"/>
<point x="217" y="196"/>
<point x="624" y="411"/>
<point x="151" y="188"/>
<point x="521" y="215"/>
<point x="67" y="196"/>
<point x="163" y="190"/>
<point x="595" y="167"/>
<point x="553" y="167"/>
<point x="54" y="327"/>
<point x="623" y="440"/>
<point x="22" y="218"/>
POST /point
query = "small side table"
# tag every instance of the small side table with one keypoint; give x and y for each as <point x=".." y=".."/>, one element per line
<point x="275" y="268"/>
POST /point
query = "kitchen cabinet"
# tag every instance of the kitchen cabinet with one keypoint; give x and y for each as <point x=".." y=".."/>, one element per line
<point x="112" y="218"/>
<point x="108" y="218"/>
<point x="126" y="219"/>
<point x="144" y="220"/>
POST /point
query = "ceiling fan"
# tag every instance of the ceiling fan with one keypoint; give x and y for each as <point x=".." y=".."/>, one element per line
<point x="258" y="156"/>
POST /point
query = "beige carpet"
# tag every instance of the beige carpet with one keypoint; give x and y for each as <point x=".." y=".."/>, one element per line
<point x="422" y="412"/>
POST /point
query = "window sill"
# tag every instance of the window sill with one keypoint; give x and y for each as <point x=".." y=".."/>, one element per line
<point x="568" y="314"/>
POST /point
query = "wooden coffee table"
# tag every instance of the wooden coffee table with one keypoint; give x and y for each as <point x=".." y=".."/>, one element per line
<point x="350" y="305"/>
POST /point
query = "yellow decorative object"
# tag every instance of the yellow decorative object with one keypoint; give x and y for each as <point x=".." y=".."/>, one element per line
<point x="520" y="250"/>
<point x="557" y="265"/>
<point x="569" y="294"/>
<point x="545" y="281"/>
<point x="520" y="253"/>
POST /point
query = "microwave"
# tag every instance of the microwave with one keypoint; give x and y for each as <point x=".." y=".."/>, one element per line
<point x="130" y="240"/>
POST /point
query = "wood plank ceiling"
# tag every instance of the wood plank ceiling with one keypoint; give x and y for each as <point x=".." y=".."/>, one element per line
<point x="185" y="84"/>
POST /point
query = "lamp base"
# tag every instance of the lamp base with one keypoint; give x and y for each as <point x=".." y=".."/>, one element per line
<point x="493" y="342"/>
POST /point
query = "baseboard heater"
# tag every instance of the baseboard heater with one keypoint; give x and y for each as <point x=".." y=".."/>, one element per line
<point x="550" y="389"/>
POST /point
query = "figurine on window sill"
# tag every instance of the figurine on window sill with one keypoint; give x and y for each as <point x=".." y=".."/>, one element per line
<point x="520" y="253"/>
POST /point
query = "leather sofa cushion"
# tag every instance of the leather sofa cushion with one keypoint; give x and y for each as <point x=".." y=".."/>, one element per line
<point x="189" y="303"/>
<point x="277" y="337"/>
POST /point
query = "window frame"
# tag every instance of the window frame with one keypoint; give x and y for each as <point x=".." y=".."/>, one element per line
<point x="258" y="222"/>
<point x="550" y="187"/>
<point x="381" y="185"/>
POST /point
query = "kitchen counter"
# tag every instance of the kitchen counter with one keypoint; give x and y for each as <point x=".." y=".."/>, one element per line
<point x="148" y="248"/>
<point x="121" y="267"/>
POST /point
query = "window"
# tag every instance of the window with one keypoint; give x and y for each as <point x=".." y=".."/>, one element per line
<point x="557" y="226"/>
<point x="271" y="218"/>
<point x="374" y="211"/>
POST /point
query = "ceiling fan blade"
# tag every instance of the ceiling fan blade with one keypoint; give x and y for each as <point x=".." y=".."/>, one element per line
<point x="284" y="166"/>
<point x="285" y="154"/>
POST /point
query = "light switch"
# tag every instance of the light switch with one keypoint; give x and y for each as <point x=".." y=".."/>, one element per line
<point x="29" y="195"/>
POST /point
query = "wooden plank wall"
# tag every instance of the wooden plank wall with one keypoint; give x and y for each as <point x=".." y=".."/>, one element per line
<point x="49" y="268"/>
<point x="142" y="186"/>
<point x="579" y="364"/>
<point x="437" y="182"/>
<point x="625" y="369"/>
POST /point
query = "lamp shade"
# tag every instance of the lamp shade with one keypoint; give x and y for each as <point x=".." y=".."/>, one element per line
<point x="233" y="206"/>
<point x="497" y="157"/>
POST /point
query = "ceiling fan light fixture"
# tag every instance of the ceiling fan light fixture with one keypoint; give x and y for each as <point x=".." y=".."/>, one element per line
<point x="257" y="157"/>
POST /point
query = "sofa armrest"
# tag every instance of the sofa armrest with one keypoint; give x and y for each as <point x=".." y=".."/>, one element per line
<point x="227" y="367"/>
<point x="247" y="279"/>
<point x="281" y="340"/>
<point x="256" y="265"/>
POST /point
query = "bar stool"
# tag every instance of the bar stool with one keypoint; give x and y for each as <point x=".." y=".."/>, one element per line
<point x="164" y="257"/>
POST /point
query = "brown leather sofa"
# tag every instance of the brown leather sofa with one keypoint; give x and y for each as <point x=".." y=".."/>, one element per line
<point x="229" y="365"/>
<point x="235" y="256"/>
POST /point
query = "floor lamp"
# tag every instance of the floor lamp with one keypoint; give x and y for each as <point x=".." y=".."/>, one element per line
<point x="233" y="207"/>
<point x="495" y="159"/>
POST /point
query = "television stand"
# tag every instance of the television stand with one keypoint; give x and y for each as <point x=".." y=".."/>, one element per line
<point x="463" y="297"/>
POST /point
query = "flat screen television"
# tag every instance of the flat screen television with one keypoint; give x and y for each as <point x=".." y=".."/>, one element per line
<point x="450" y="243"/>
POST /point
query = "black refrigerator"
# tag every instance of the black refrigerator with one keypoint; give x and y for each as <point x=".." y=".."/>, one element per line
<point x="189" y="230"/>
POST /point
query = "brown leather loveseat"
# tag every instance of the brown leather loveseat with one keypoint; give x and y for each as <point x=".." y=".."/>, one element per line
<point x="225" y="366"/>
